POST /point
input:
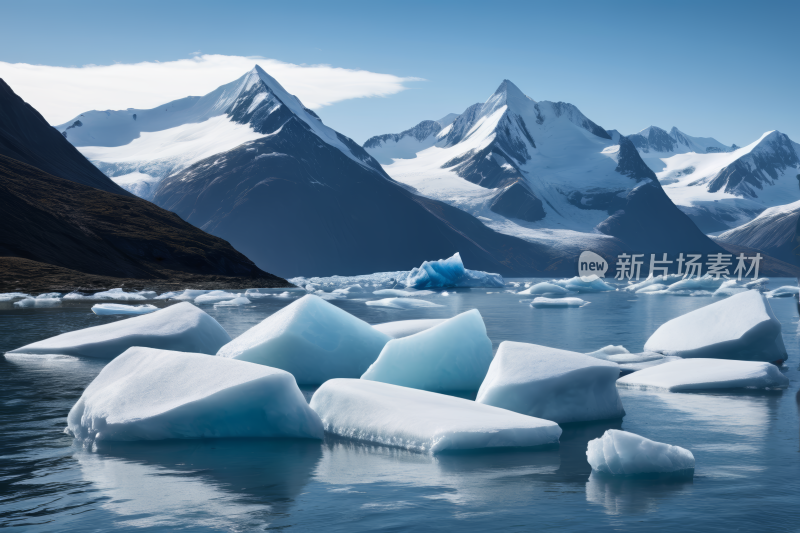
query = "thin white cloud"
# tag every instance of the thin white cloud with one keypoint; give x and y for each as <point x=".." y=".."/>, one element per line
<point x="61" y="93"/>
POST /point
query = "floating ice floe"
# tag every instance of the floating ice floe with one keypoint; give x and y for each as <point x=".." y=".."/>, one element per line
<point x="404" y="328"/>
<point x="729" y="288"/>
<point x="181" y="327"/>
<point x="706" y="283"/>
<point x="655" y="288"/>
<point x="740" y="327"/>
<point x="450" y="272"/>
<point x="759" y="284"/>
<point x="578" y="285"/>
<point x="423" y="421"/>
<point x="402" y="303"/>
<point x="553" y="384"/>
<point x="215" y="296"/>
<point x="49" y="296"/>
<point x="542" y="302"/>
<point x="112" y="294"/>
<point x="401" y="293"/>
<point x="350" y="291"/>
<point x="122" y="309"/>
<point x="451" y="356"/>
<point x="545" y="288"/>
<point x="188" y="294"/>
<point x="148" y="394"/>
<point x="620" y="453"/>
<point x="236" y="302"/>
<point x="700" y="374"/>
<point x="276" y="293"/>
<point x="631" y="362"/>
<point x="8" y="296"/>
<point x="38" y="302"/>
<point x="784" y="292"/>
<point x="662" y="280"/>
<point x="384" y="280"/>
<point x="312" y="339"/>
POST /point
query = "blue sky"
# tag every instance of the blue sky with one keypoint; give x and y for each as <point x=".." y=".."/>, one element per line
<point x="722" y="69"/>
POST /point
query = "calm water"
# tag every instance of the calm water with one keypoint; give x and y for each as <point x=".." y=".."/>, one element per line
<point x="747" y="446"/>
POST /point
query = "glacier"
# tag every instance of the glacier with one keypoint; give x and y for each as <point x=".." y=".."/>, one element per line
<point x="312" y="339"/>
<point x="542" y="302"/>
<point x="451" y="356"/>
<point x="422" y="421"/>
<point x="403" y="328"/>
<point x="450" y="272"/>
<point x="703" y="374"/>
<point x="620" y="453"/>
<point x="149" y="394"/>
<point x="180" y="327"/>
<point x="552" y="384"/>
<point x="121" y="309"/>
<point x="740" y="327"/>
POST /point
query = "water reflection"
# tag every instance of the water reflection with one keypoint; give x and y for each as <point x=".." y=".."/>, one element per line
<point x="633" y="495"/>
<point x="209" y="483"/>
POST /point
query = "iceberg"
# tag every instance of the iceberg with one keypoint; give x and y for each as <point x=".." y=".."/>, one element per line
<point x="740" y="327"/>
<point x="312" y="339"/>
<point x="8" y="296"/>
<point x="149" y="394"/>
<point x="450" y="273"/>
<point x="236" y="302"/>
<point x="352" y="290"/>
<point x="423" y="421"/>
<point x="729" y="288"/>
<point x="452" y="356"/>
<point x="545" y="288"/>
<point x="576" y="284"/>
<point x="541" y="302"/>
<point x="706" y="283"/>
<point x="168" y="295"/>
<point x="38" y="302"/>
<point x="121" y="309"/>
<point x="784" y="292"/>
<point x="402" y="303"/>
<point x="400" y="293"/>
<point x="759" y="284"/>
<point x="702" y="374"/>
<point x="181" y="327"/>
<point x="666" y="281"/>
<point x="655" y="288"/>
<point x="49" y="295"/>
<point x="404" y="328"/>
<point x="189" y="294"/>
<point x="553" y="384"/>
<point x="620" y="453"/>
<point x="215" y="296"/>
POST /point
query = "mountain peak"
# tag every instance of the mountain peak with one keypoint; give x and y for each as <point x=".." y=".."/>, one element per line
<point x="510" y="91"/>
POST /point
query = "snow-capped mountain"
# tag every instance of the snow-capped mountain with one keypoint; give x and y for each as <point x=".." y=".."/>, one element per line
<point x="251" y="164"/>
<point x="720" y="191"/>
<point x="137" y="148"/>
<point x="654" y="144"/>
<point x="544" y="172"/>
<point x="773" y="232"/>
<point x="405" y="144"/>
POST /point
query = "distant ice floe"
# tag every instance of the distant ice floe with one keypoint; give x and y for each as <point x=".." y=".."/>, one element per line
<point x="677" y="285"/>
<point x="215" y="296"/>
<point x="404" y="328"/>
<point x="423" y="421"/>
<point x="576" y="284"/>
<point x="236" y="302"/>
<point x="181" y="327"/>
<point x="8" y="296"/>
<point x="542" y="302"/>
<point x="703" y="374"/>
<point x="149" y="394"/>
<point x="545" y="288"/>
<point x="402" y="303"/>
<point x="38" y="302"/>
<point x="553" y="384"/>
<point x="620" y="453"/>
<point x="784" y="292"/>
<point x="112" y="294"/>
<point x="121" y="309"/>
<point x="451" y="356"/>
<point x="401" y="293"/>
<point x="312" y="339"/>
<point x="740" y="327"/>
<point x="631" y="362"/>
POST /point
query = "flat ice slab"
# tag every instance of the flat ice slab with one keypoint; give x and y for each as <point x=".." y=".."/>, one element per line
<point x="740" y="327"/>
<point x="215" y="296"/>
<point x="543" y="303"/>
<point x="402" y="303"/>
<point x="545" y="288"/>
<point x="236" y="302"/>
<point x="578" y="285"/>
<point x="147" y="394"/>
<point x="122" y="309"/>
<point x="700" y="374"/>
<point x="450" y="272"/>
<point x="784" y="292"/>
<point x="452" y="356"/>
<point x="312" y="339"/>
<point x="552" y="384"/>
<point x="422" y="421"/>
<point x="182" y="327"/>
<point x="404" y="328"/>
<point x="621" y="453"/>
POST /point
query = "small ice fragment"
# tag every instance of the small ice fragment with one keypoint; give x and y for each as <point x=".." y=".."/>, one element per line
<point x="624" y="454"/>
